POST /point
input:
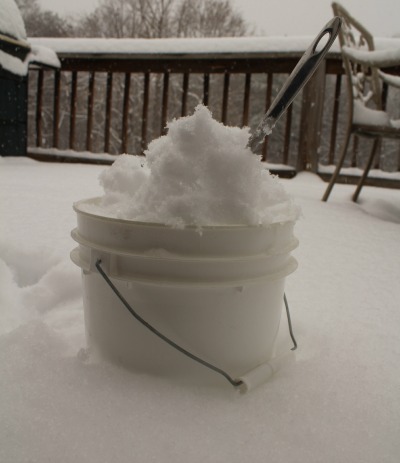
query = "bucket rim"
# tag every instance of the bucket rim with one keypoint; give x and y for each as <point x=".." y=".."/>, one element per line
<point x="198" y="228"/>
<point x="169" y="256"/>
<point x="290" y="268"/>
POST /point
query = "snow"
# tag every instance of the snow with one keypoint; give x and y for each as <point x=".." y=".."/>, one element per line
<point x="12" y="29"/>
<point x="367" y="116"/>
<point x="44" y="55"/>
<point x="178" y="45"/>
<point x="106" y="157"/>
<point x="200" y="173"/>
<point x="389" y="78"/>
<point x="182" y="46"/>
<point x="11" y="22"/>
<point x="13" y="64"/>
<point x="37" y="55"/>
<point x="379" y="58"/>
<point x="72" y="154"/>
<point x="357" y="172"/>
<point x="338" y="403"/>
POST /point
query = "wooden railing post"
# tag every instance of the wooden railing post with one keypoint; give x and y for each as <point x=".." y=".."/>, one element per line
<point x="268" y="99"/>
<point x="73" y="102"/>
<point x="336" y="106"/>
<point x="39" y="107"/>
<point x="311" y="121"/>
<point x="164" y="104"/>
<point x="107" y="122"/>
<point x="56" y="107"/>
<point x="145" y="111"/>
<point x="246" y="100"/>
<point x="90" y="106"/>
<point x="125" y="113"/>
<point x="185" y="88"/>
<point x="225" y="98"/>
<point x="206" y="88"/>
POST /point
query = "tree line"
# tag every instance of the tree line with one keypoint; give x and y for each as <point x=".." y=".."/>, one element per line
<point x="138" y="19"/>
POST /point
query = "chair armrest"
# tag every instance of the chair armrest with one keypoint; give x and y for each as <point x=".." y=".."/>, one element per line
<point x="375" y="58"/>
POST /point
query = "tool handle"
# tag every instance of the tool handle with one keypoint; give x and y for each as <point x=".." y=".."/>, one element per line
<point x="300" y="75"/>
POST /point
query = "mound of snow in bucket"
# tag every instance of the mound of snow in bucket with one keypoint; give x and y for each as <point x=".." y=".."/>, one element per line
<point x="200" y="173"/>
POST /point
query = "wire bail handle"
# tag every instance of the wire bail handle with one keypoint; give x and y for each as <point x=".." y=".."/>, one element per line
<point x="233" y="381"/>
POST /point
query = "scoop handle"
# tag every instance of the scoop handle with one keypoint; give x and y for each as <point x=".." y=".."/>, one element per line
<point x="300" y="75"/>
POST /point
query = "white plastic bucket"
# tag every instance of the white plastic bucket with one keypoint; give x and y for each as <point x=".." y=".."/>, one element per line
<point x="217" y="292"/>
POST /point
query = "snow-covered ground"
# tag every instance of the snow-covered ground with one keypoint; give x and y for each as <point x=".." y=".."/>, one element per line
<point x="340" y="402"/>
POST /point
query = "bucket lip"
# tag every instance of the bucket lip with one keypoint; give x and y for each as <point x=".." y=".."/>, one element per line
<point x="281" y="274"/>
<point x="198" y="228"/>
<point x="183" y="258"/>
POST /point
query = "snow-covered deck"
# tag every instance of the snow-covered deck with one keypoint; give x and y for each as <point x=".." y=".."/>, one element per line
<point x="339" y="403"/>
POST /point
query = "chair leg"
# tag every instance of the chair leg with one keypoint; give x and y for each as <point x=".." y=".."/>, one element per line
<point x="367" y="169"/>
<point x="338" y="167"/>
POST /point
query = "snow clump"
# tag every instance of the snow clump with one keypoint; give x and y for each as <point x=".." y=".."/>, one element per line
<point x="201" y="173"/>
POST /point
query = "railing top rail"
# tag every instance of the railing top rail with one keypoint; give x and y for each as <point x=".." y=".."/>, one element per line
<point x="205" y="55"/>
<point x="183" y="48"/>
<point x="187" y="48"/>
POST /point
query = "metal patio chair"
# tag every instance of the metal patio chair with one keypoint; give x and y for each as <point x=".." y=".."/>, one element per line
<point x="365" y="80"/>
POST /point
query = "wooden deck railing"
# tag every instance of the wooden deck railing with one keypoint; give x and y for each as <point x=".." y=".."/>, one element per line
<point x="116" y="104"/>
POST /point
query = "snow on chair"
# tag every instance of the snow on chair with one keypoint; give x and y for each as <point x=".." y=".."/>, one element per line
<point x="367" y="115"/>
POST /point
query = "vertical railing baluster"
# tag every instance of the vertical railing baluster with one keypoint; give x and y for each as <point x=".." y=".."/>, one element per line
<point x="73" y="102"/>
<point x="90" y="104"/>
<point x="125" y="113"/>
<point x="355" y="151"/>
<point x="246" y="100"/>
<point x="39" y="107"/>
<point x="107" y="122"/>
<point x="398" y="160"/>
<point x="312" y="108"/>
<point x="56" y="107"/>
<point x="185" y="89"/>
<point x="268" y="98"/>
<point x="335" y="117"/>
<point x="145" y="110"/>
<point x="225" y="98"/>
<point x="164" y="108"/>
<point x="288" y="131"/>
<point x="384" y="98"/>
<point x="206" y="89"/>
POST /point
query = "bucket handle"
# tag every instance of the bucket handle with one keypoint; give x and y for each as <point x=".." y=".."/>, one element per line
<point x="232" y="381"/>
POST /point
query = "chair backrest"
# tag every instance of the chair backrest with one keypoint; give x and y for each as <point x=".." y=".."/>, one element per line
<point x="363" y="81"/>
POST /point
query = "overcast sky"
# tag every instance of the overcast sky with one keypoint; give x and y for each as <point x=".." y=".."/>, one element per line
<point x="287" y="17"/>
